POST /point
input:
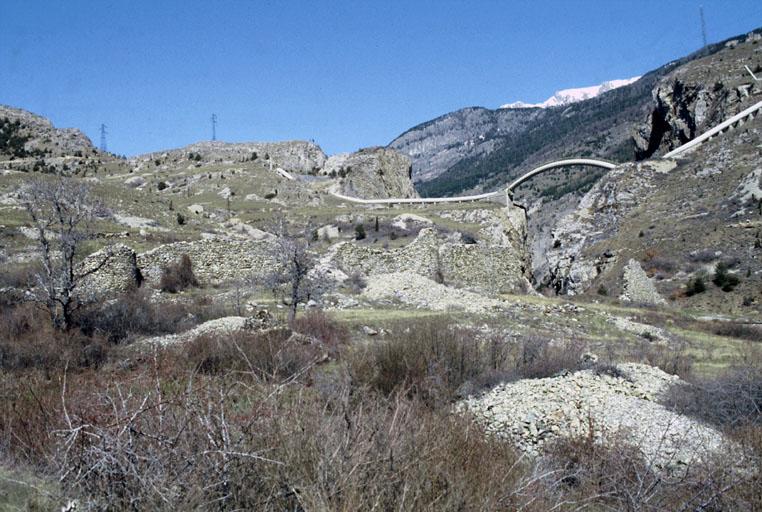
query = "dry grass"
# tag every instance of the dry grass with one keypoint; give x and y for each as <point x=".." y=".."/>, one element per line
<point x="256" y="422"/>
<point x="438" y="361"/>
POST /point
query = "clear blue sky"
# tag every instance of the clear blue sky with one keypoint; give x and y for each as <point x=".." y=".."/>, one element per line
<point x="347" y="74"/>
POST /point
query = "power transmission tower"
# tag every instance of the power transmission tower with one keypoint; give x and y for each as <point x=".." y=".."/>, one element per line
<point x="214" y="126"/>
<point x="103" y="138"/>
<point x="703" y="25"/>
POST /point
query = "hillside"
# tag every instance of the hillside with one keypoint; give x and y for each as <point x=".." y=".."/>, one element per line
<point x="482" y="149"/>
<point x="23" y="135"/>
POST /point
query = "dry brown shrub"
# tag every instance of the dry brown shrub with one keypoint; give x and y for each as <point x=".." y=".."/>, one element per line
<point x="539" y="357"/>
<point x="439" y="361"/>
<point x="178" y="276"/>
<point x="320" y="325"/>
<point x="273" y="356"/>
<point x="673" y="359"/>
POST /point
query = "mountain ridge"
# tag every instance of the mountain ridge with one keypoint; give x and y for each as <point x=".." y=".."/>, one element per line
<point x="565" y="97"/>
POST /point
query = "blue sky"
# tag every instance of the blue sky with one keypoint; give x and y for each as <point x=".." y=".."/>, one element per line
<point x="347" y="74"/>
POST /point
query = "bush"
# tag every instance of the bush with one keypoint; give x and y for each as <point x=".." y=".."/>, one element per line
<point x="178" y="276"/>
<point x="359" y="232"/>
<point x="356" y="282"/>
<point x="722" y="279"/>
<point x="161" y="186"/>
<point x="731" y="399"/>
<point x="321" y="326"/>
<point x="134" y="313"/>
<point x="674" y="360"/>
<point x="738" y="330"/>
<point x="27" y="341"/>
<point x="695" y="286"/>
<point x="539" y="357"/>
<point x="429" y="359"/>
<point x="438" y="361"/>
<point x="18" y="276"/>
<point x="180" y="218"/>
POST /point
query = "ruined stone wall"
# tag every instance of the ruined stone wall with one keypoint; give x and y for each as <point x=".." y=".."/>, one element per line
<point x="118" y="271"/>
<point x="497" y="263"/>
<point x="214" y="260"/>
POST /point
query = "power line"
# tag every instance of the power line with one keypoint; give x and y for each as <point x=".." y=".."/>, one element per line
<point x="103" y="138"/>
<point x="214" y="126"/>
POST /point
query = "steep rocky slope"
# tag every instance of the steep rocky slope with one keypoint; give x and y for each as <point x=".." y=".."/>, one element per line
<point x="437" y="145"/>
<point x="23" y="134"/>
<point x="699" y="95"/>
<point x="680" y="220"/>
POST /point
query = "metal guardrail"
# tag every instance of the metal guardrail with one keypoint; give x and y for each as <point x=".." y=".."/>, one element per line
<point x="714" y="131"/>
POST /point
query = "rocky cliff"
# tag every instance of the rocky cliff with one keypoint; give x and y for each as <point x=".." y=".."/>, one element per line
<point x="698" y="95"/>
<point x="680" y="221"/>
<point x="372" y="173"/>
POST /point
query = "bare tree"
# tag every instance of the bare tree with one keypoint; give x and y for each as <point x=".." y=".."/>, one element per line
<point x="295" y="268"/>
<point x="62" y="213"/>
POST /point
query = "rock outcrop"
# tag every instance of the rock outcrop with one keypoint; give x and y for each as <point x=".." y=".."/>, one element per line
<point x="534" y="412"/>
<point x="297" y="156"/>
<point x="372" y="173"/>
<point x="697" y="96"/>
<point x="43" y="139"/>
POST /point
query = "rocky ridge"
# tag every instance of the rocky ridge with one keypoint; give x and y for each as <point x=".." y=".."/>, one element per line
<point x="44" y="139"/>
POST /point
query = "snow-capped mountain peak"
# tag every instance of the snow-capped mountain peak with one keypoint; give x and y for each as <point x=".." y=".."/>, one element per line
<point x="568" y="96"/>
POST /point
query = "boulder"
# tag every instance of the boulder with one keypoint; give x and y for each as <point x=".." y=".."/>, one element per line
<point x="135" y="181"/>
<point x="328" y="232"/>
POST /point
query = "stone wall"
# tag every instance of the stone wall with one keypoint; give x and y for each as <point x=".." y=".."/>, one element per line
<point x="498" y="262"/>
<point x="118" y="273"/>
<point x="638" y="287"/>
<point x="214" y="260"/>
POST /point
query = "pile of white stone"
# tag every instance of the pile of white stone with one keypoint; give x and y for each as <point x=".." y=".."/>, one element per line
<point x="224" y="325"/>
<point x="535" y="412"/>
<point x="420" y="292"/>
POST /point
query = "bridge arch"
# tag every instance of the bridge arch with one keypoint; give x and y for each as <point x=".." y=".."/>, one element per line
<point x="560" y="163"/>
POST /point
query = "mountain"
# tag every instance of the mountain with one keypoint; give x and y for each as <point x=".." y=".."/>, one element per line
<point x="568" y="96"/>
<point x="679" y="220"/>
<point x="475" y="149"/>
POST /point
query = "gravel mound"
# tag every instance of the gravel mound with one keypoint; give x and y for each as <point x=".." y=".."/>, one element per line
<point x="420" y="292"/>
<point x="222" y="325"/>
<point x="534" y="412"/>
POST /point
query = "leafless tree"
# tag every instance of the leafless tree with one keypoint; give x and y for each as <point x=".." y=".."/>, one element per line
<point x="295" y="268"/>
<point x="62" y="213"/>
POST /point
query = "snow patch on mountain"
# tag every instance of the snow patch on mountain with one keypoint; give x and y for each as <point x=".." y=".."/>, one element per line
<point x="568" y="96"/>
